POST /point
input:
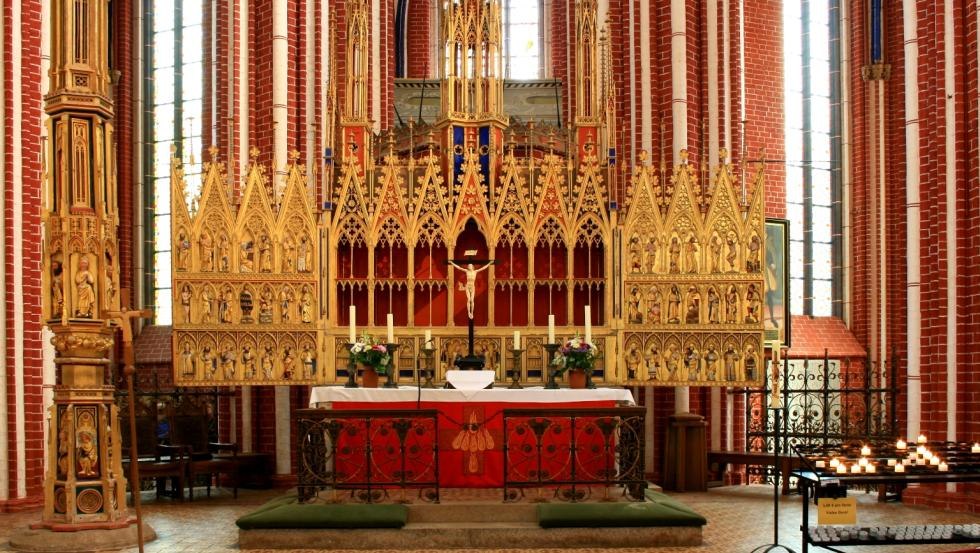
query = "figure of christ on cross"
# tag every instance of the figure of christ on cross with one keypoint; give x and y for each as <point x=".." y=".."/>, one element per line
<point x="470" y="286"/>
<point x="471" y="361"/>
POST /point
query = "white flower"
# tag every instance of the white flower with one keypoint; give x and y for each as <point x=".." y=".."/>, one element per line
<point x="575" y="342"/>
<point x="358" y="347"/>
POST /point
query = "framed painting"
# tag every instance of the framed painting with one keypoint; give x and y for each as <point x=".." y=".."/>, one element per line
<point x="776" y="314"/>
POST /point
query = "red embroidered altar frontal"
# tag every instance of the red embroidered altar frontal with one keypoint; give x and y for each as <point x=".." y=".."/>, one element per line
<point x="470" y="421"/>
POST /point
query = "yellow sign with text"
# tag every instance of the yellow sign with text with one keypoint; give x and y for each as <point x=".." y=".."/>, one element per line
<point x="837" y="511"/>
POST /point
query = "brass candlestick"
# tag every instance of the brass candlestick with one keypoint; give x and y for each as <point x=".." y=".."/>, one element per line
<point x="351" y="367"/>
<point x="515" y="371"/>
<point x="552" y="372"/>
<point x="392" y="366"/>
<point x="429" y="369"/>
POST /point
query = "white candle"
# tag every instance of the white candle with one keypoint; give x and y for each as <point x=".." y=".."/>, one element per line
<point x="927" y="455"/>
<point x="428" y="340"/>
<point x="855" y="469"/>
<point x="892" y="462"/>
<point x="901" y="445"/>
<point x="899" y="468"/>
<point x="906" y="462"/>
<point x="921" y="439"/>
<point x="517" y="339"/>
<point x="588" y="324"/>
<point x="551" y="329"/>
<point x="821" y="464"/>
<point x="865" y="451"/>
<point x="934" y="461"/>
<point x="975" y="448"/>
<point x="841" y="469"/>
<point x="943" y="467"/>
<point x="870" y="469"/>
<point x="920" y="461"/>
<point x="863" y="461"/>
<point x="352" y="324"/>
<point x="391" y="328"/>
<point x="921" y="450"/>
<point x="834" y="463"/>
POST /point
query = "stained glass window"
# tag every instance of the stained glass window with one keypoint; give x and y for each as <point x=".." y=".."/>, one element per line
<point x="522" y="39"/>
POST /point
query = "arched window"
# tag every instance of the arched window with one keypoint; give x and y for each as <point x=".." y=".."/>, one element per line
<point x="813" y="161"/>
<point x="523" y="39"/>
<point x="173" y="91"/>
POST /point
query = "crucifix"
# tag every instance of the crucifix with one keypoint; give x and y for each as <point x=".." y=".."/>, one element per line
<point x="124" y="319"/>
<point x="471" y="267"/>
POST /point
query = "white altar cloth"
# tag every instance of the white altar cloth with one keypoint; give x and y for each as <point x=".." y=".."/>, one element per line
<point x="321" y="396"/>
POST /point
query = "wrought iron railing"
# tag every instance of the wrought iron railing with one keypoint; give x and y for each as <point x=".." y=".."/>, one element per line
<point x="571" y="451"/>
<point x="827" y="402"/>
<point x="363" y="455"/>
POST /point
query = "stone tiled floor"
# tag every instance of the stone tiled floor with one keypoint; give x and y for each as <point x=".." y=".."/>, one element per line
<point x="739" y="519"/>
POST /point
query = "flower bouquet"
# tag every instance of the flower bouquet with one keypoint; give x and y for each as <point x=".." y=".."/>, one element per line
<point x="373" y="356"/>
<point x="578" y="356"/>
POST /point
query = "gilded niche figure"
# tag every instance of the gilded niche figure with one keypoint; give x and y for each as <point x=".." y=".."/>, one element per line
<point x="248" y="361"/>
<point x="225" y="302"/>
<point x="672" y="359"/>
<point x="635" y="315"/>
<point x="288" y="362"/>
<point x="632" y="362"/>
<point x="732" y="256"/>
<point x="185" y="302"/>
<point x="245" y="304"/>
<point x="309" y="361"/>
<point x="86" y="454"/>
<point x="245" y="265"/>
<point x="731" y="360"/>
<point x="183" y="251"/>
<point x="285" y="298"/>
<point x="716" y="246"/>
<point x="288" y="255"/>
<point x="228" y="362"/>
<point x="57" y="290"/>
<point x="303" y="257"/>
<point x="208" y="365"/>
<point x="306" y="305"/>
<point x="652" y="253"/>
<point x="265" y="305"/>
<point x="692" y="362"/>
<point x="654" y="302"/>
<point x="653" y="363"/>
<point x="224" y="254"/>
<point x="731" y="305"/>
<point x="693" y="316"/>
<point x="268" y="362"/>
<point x="470" y="286"/>
<point x="691" y="254"/>
<point x="675" y="255"/>
<point x="187" y="360"/>
<point x="206" y="300"/>
<point x="635" y="264"/>
<point x="674" y="305"/>
<point x="750" y="362"/>
<point x="265" y="254"/>
<point x="207" y="252"/>
<point x="753" y="264"/>
<point x="710" y="358"/>
<point x="64" y="435"/>
<point x="84" y="290"/>
<point x="753" y="304"/>
<point x="714" y="306"/>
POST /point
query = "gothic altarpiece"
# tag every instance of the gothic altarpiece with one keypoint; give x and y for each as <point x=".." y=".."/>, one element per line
<point x="263" y="282"/>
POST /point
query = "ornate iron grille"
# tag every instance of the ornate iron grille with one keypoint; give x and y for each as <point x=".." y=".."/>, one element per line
<point x="363" y="454"/>
<point x="827" y="402"/>
<point x="568" y="451"/>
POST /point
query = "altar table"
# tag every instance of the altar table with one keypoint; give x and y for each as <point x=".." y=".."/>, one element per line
<point x="470" y="421"/>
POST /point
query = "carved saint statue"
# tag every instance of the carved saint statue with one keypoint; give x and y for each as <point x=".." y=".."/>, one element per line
<point x="750" y="362"/>
<point x="57" y="290"/>
<point x="753" y="304"/>
<point x="185" y="302"/>
<point x="653" y="363"/>
<point x="675" y="255"/>
<point x="654" y="306"/>
<point x="225" y="302"/>
<point x="731" y="361"/>
<point x="207" y="252"/>
<point x="265" y="305"/>
<point x="288" y="255"/>
<point x="303" y="257"/>
<point x="753" y="264"/>
<point x="632" y="362"/>
<point x="635" y="314"/>
<point x="208" y="365"/>
<point x="84" y="290"/>
<point x="268" y="362"/>
<point x="183" y="251"/>
<point x="691" y="254"/>
<point x="732" y="256"/>
<point x="206" y="300"/>
<point x="187" y="360"/>
<point x="714" y="306"/>
<point x="716" y="246"/>
<point x="228" y="362"/>
<point x="693" y="315"/>
<point x="692" y="361"/>
<point x="731" y="306"/>
<point x="674" y="305"/>
<point x="265" y="254"/>
<point x="306" y="305"/>
<point x="248" y="361"/>
<point x="86" y="453"/>
<point x="652" y="253"/>
<point x="309" y="361"/>
<point x="246" y="264"/>
<point x="710" y="363"/>
<point x="285" y="298"/>
<point x="288" y="362"/>
<point x="470" y="286"/>
<point x="224" y="254"/>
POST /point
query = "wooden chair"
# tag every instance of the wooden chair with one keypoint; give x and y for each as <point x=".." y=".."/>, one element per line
<point x="189" y="430"/>
<point x="156" y="461"/>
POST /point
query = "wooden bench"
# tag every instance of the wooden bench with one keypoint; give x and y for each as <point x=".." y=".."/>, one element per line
<point x="787" y="463"/>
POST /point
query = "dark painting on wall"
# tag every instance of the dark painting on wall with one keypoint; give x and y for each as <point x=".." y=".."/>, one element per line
<point x="776" y="312"/>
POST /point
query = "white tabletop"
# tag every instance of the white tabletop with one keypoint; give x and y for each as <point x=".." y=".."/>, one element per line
<point x="322" y="395"/>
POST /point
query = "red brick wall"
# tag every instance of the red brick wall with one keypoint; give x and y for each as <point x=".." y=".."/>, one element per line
<point x="25" y="88"/>
<point x="418" y="35"/>
<point x="123" y="62"/>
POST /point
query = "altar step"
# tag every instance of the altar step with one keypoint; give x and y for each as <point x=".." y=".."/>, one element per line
<point x="471" y="525"/>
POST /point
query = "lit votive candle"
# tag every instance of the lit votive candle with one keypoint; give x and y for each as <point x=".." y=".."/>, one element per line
<point x="921" y="439"/>
<point x="934" y="461"/>
<point x="855" y="469"/>
<point x="865" y="451"/>
<point x="899" y="468"/>
<point x="921" y="450"/>
<point x="906" y="462"/>
<point x="870" y="469"/>
<point x="863" y="461"/>
<point x="975" y="448"/>
<point x="901" y="445"/>
<point x="943" y="467"/>
<point x="841" y="469"/>
<point x="920" y="461"/>
<point x="928" y="455"/>
<point x="892" y="462"/>
<point x="821" y="464"/>
<point x="834" y="463"/>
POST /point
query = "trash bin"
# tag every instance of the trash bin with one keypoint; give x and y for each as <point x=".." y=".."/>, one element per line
<point x="686" y="462"/>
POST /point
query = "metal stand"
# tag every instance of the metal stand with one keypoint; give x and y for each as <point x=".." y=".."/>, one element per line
<point x="392" y="366"/>
<point x="775" y="545"/>
<point x="429" y="354"/>
<point x="515" y="371"/>
<point x="589" y="385"/>
<point x="351" y="367"/>
<point x="552" y="372"/>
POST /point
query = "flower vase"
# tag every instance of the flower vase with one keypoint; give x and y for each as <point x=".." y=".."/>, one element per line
<point x="576" y="379"/>
<point x="369" y="378"/>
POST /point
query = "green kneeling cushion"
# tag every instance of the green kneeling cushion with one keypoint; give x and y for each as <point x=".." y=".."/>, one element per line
<point x="294" y="515"/>
<point x="657" y="511"/>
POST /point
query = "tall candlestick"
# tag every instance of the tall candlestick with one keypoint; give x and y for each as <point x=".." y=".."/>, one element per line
<point x="551" y="329"/>
<point x="428" y="340"/>
<point x="588" y="324"/>
<point x="391" y="328"/>
<point x="352" y="324"/>
<point x="517" y="339"/>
